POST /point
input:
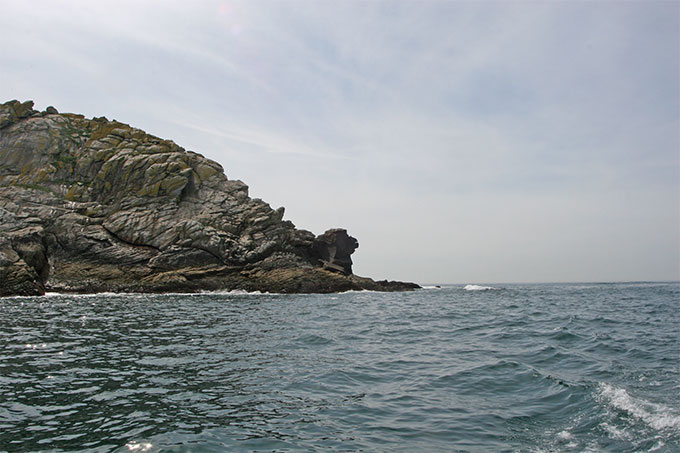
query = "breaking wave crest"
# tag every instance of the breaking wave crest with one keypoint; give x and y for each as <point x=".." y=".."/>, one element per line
<point x="478" y="288"/>
<point x="657" y="416"/>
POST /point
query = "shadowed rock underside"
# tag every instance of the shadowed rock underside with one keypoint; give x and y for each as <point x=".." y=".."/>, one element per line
<point x="92" y="205"/>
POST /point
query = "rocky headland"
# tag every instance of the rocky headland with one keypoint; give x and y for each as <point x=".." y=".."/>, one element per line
<point x="92" y="205"/>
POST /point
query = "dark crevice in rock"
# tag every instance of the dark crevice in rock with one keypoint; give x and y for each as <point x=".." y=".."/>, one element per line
<point x="217" y="257"/>
<point x="34" y="253"/>
<point x="132" y="244"/>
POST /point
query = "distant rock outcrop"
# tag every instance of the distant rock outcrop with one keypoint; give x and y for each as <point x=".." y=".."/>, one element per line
<point x="91" y="205"/>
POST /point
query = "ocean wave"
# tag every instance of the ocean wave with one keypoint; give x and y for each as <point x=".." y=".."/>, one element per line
<point x="657" y="416"/>
<point x="138" y="446"/>
<point x="478" y="288"/>
<point x="91" y="295"/>
<point x="233" y="292"/>
<point x="567" y="438"/>
<point x="357" y="291"/>
<point x="230" y="292"/>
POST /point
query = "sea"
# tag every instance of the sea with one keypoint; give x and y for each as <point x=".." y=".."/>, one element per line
<point x="449" y="368"/>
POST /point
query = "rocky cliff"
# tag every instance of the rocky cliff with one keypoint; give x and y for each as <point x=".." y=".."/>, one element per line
<point x="91" y="205"/>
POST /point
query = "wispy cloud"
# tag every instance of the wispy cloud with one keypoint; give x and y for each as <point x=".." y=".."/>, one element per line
<point x="399" y="119"/>
<point x="263" y="140"/>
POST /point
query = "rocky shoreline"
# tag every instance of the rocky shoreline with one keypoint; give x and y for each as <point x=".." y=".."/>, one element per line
<point x="92" y="205"/>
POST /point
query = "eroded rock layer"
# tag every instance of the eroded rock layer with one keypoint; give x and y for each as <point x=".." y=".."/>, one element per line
<point x="91" y="205"/>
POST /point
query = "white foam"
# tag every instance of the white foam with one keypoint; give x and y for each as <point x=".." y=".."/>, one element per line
<point x="659" y="445"/>
<point x="614" y="432"/>
<point x="565" y="435"/>
<point x="89" y="295"/>
<point x="478" y="288"/>
<point x="21" y="298"/>
<point x="654" y="415"/>
<point x="139" y="446"/>
<point x="231" y="292"/>
<point x="359" y="291"/>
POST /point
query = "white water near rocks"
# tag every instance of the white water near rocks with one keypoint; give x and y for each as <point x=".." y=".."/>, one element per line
<point x="478" y="288"/>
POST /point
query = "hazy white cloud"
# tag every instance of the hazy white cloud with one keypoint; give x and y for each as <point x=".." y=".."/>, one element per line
<point x="458" y="141"/>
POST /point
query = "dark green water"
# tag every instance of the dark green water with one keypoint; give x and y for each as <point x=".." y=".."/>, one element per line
<point x="535" y="368"/>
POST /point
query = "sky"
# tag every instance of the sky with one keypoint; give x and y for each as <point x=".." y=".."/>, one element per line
<point x="458" y="141"/>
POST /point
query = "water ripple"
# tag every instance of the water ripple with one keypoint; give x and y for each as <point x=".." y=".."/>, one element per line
<point x="524" y="368"/>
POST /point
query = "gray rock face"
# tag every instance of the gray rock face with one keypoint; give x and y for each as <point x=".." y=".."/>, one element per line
<point x="93" y="205"/>
<point x="334" y="249"/>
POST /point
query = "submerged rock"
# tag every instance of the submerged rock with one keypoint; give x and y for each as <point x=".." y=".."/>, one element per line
<point x="91" y="205"/>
